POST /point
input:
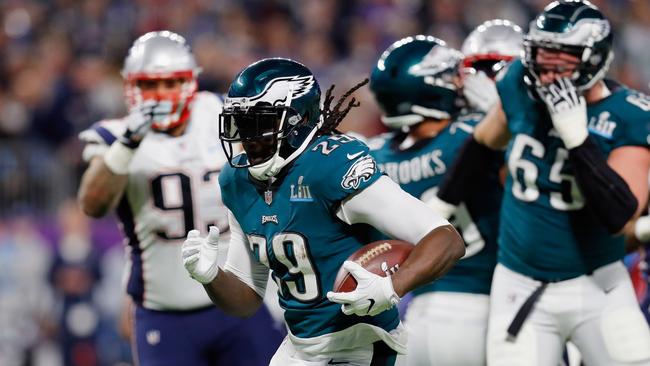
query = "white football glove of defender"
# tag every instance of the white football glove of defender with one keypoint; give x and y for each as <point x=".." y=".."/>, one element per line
<point x="138" y="123"/>
<point x="140" y="118"/>
<point x="374" y="294"/>
<point x="480" y="91"/>
<point x="200" y="255"/>
<point x="568" y="111"/>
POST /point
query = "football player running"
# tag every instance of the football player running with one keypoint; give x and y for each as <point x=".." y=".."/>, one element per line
<point x="158" y="167"/>
<point x="578" y="159"/>
<point x="416" y="84"/>
<point x="297" y="197"/>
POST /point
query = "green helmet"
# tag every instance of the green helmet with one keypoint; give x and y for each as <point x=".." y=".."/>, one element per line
<point x="273" y="109"/>
<point x="576" y="27"/>
<point x="413" y="80"/>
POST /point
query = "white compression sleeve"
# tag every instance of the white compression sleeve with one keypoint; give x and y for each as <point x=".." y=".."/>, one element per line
<point x="240" y="261"/>
<point x="392" y="211"/>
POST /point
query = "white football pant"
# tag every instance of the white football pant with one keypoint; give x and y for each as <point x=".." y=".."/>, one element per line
<point x="447" y="329"/>
<point x="288" y="355"/>
<point x="598" y="313"/>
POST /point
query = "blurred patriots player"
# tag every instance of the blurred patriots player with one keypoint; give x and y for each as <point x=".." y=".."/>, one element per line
<point x="297" y="196"/>
<point x="416" y="84"/>
<point x="158" y="167"/>
<point x="577" y="156"/>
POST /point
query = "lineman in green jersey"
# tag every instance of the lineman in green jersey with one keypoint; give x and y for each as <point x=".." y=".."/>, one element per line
<point x="578" y="160"/>
<point x="299" y="196"/>
<point x="447" y="319"/>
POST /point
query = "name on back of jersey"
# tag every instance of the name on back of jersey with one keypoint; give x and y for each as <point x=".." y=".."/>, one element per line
<point x="415" y="169"/>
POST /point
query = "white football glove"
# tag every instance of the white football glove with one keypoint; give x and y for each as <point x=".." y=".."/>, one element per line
<point x="140" y="118"/>
<point x="200" y="255"/>
<point x="642" y="229"/>
<point x="480" y="91"/>
<point x="374" y="294"/>
<point x="568" y="111"/>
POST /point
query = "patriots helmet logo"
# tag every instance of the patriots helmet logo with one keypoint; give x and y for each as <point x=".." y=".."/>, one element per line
<point x="279" y="89"/>
<point x="361" y="171"/>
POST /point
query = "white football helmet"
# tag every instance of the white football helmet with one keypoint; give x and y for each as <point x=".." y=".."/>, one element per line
<point x="491" y="46"/>
<point x="161" y="55"/>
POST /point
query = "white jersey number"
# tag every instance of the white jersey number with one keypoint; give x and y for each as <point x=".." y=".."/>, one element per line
<point x="290" y="249"/>
<point x="172" y="193"/>
<point x="525" y="173"/>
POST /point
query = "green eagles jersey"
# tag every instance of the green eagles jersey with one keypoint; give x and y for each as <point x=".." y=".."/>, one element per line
<point x="419" y="170"/>
<point x="546" y="232"/>
<point x="292" y="228"/>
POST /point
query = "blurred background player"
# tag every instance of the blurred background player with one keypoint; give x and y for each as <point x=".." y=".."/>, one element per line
<point x="578" y="164"/>
<point x="416" y="83"/>
<point x="158" y="167"/>
<point x="294" y="195"/>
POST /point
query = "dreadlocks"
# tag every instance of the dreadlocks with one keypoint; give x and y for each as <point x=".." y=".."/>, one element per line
<point x="332" y="117"/>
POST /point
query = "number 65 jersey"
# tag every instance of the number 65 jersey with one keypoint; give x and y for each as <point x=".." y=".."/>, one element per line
<point x="546" y="231"/>
<point x="172" y="188"/>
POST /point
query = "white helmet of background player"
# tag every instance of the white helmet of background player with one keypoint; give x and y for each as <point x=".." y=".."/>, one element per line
<point x="156" y="56"/>
<point x="491" y="46"/>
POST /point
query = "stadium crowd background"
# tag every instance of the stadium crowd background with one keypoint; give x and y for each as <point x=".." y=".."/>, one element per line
<point x="60" y="273"/>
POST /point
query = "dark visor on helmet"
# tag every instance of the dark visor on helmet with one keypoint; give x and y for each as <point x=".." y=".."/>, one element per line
<point x="257" y="128"/>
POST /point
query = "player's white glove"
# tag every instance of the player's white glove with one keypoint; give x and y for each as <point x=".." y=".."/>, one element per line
<point x="442" y="208"/>
<point x="480" y="91"/>
<point x="642" y="229"/>
<point x="200" y="255"/>
<point x="373" y="295"/>
<point x="568" y="111"/>
<point x="140" y="118"/>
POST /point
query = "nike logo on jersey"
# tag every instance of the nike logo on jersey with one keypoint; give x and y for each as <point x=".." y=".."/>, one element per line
<point x="372" y="303"/>
<point x="354" y="156"/>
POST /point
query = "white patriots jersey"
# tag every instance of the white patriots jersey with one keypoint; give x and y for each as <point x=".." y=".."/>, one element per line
<point x="172" y="188"/>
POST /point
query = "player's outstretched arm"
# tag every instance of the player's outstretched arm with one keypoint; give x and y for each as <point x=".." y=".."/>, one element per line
<point x="237" y="289"/>
<point x="100" y="188"/>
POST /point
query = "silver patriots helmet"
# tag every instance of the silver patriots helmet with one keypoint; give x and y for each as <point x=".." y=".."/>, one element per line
<point x="161" y="55"/>
<point x="491" y="46"/>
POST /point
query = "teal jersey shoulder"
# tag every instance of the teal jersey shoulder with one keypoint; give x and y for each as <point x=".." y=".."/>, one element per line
<point x="545" y="231"/>
<point x="292" y="228"/>
<point x="419" y="170"/>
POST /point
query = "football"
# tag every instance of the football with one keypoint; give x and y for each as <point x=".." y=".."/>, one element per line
<point x="381" y="257"/>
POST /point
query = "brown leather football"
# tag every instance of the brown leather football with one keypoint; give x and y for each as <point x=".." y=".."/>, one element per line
<point x="381" y="257"/>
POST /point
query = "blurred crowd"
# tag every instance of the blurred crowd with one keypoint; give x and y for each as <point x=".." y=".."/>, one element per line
<point x="60" y="66"/>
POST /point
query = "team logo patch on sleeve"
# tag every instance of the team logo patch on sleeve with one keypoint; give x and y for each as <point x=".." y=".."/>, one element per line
<point x="360" y="171"/>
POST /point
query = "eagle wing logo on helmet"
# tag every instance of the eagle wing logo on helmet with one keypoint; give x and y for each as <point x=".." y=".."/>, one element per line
<point x="277" y="90"/>
<point x="360" y="171"/>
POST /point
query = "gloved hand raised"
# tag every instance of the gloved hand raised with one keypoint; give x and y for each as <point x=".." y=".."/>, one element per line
<point x="200" y="255"/>
<point x="140" y="119"/>
<point x="568" y="111"/>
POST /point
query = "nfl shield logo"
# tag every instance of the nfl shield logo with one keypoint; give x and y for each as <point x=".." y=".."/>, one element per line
<point x="268" y="197"/>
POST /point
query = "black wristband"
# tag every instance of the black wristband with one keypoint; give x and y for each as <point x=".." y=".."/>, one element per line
<point x="469" y="170"/>
<point x="606" y="194"/>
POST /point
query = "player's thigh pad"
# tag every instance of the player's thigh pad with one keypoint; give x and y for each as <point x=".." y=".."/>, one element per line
<point x="537" y="344"/>
<point x="614" y="331"/>
<point x="447" y="329"/>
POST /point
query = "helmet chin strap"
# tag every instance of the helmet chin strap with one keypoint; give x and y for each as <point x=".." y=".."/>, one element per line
<point x="271" y="167"/>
